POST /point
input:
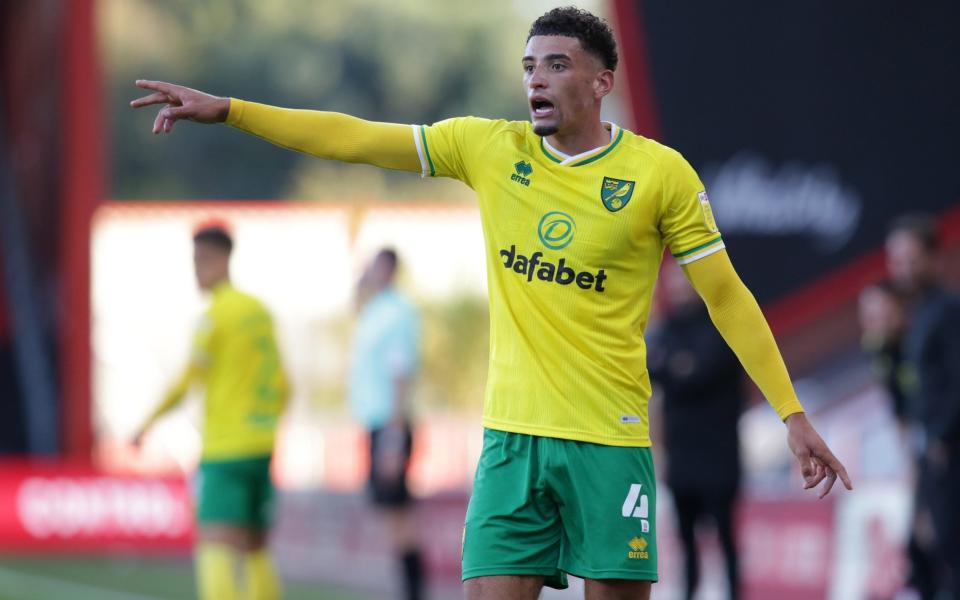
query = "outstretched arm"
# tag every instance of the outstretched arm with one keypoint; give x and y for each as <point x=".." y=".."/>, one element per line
<point x="195" y="369"/>
<point x="171" y="399"/>
<point x="737" y="316"/>
<point x="326" y="135"/>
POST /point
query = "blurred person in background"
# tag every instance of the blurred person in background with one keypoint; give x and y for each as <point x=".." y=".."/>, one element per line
<point x="883" y="321"/>
<point x="931" y="353"/>
<point x="701" y="382"/>
<point x="386" y="355"/>
<point x="565" y="482"/>
<point x="235" y="358"/>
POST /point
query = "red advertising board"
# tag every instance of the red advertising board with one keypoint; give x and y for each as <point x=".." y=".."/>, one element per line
<point x="787" y="548"/>
<point x="52" y="507"/>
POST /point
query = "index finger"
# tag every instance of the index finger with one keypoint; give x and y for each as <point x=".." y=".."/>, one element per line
<point x="159" y="86"/>
<point x="839" y="469"/>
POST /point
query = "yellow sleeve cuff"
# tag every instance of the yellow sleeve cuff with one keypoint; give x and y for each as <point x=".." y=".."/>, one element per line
<point x="235" y="115"/>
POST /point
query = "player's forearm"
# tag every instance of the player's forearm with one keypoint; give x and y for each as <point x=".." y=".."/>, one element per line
<point x="329" y="135"/>
<point x="738" y="317"/>
<point x="171" y="399"/>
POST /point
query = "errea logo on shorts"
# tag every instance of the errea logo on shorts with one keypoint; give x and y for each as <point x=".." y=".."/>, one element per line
<point x="638" y="548"/>
<point x="637" y="506"/>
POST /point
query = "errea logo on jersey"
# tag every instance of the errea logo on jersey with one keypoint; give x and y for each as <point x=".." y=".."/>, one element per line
<point x="522" y="169"/>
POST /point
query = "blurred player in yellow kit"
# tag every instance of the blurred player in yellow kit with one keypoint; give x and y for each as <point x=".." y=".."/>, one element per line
<point x="576" y="214"/>
<point x="235" y="358"/>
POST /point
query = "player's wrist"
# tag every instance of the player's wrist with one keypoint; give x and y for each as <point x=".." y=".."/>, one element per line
<point x="795" y="419"/>
<point x="222" y="109"/>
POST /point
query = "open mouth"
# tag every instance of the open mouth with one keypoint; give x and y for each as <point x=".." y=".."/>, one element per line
<point x="541" y="107"/>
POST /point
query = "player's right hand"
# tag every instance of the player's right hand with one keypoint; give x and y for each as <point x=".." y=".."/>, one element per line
<point x="181" y="103"/>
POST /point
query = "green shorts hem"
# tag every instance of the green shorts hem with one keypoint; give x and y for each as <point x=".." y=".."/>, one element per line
<point x="545" y="571"/>
<point x="553" y="577"/>
<point x="253" y="524"/>
<point x="650" y="576"/>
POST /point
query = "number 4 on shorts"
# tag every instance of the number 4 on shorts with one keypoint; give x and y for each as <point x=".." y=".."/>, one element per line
<point x="638" y="506"/>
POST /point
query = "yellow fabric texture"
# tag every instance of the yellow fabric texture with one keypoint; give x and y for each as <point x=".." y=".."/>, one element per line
<point x="216" y="576"/>
<point x="262" y="580"/>
<point x="573" y="248"/>
<point x="328" y="135"/>
<point x="738" y="317"/>
<point x="235" y="357"/>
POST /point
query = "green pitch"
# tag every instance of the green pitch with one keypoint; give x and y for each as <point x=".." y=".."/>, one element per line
<point x="88" y="578"/>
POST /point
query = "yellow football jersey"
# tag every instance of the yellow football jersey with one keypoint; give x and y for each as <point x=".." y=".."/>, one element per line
<point x="573" y="248"/>
<point x="235" y="355"/>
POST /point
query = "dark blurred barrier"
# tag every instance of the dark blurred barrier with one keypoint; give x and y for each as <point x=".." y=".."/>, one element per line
<point x="812" y="124"/>
<point x="49" y="100"/>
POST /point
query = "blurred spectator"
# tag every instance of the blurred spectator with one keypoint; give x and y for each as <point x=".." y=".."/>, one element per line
<point x="882" y="313"/>
<point x="386" y="355"/>
<point x="701" y="381"/>
<point x="931" y="351"/>
<point x="235" y="356"/>
<point x="883" y="322"/>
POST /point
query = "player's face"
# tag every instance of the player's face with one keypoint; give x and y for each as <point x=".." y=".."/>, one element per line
<point x="911" y="265"/>
<point x="211" y="265"/>
<point x="564" y="83"/>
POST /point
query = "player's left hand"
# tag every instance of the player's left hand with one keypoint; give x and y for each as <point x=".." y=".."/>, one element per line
<point x="817" y="462"/>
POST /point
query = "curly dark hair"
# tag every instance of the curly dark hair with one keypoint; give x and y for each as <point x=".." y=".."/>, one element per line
<point x="593" y="32"/>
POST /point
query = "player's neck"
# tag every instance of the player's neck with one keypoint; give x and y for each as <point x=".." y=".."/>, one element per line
<point x="581" y="140"/>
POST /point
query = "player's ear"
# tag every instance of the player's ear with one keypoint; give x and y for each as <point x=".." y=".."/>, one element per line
<point x="603" y="83"/>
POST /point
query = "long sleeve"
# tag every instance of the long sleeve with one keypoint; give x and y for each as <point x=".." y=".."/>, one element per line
<point x="330" y="135"/>
<point x="195" y="369"/>
<point x="738" y="317"/>
<point x="173" y="396"/>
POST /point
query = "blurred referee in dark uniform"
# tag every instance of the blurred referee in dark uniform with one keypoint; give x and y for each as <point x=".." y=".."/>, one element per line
<point x="701" y="381"/>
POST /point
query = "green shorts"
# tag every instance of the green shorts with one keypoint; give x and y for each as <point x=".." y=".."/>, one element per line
<point x="235" y="492"/>
<point x="547" y="506"/>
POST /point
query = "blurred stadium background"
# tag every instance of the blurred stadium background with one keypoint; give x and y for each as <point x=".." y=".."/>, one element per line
<point x="812" y="124"/>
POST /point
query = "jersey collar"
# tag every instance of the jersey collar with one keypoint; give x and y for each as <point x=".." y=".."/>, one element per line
<point x="220" y="288"/>
<point x="616" y="133"/>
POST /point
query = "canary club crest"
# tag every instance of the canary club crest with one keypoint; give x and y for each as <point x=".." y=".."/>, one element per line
<point x="616" y="193"/>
